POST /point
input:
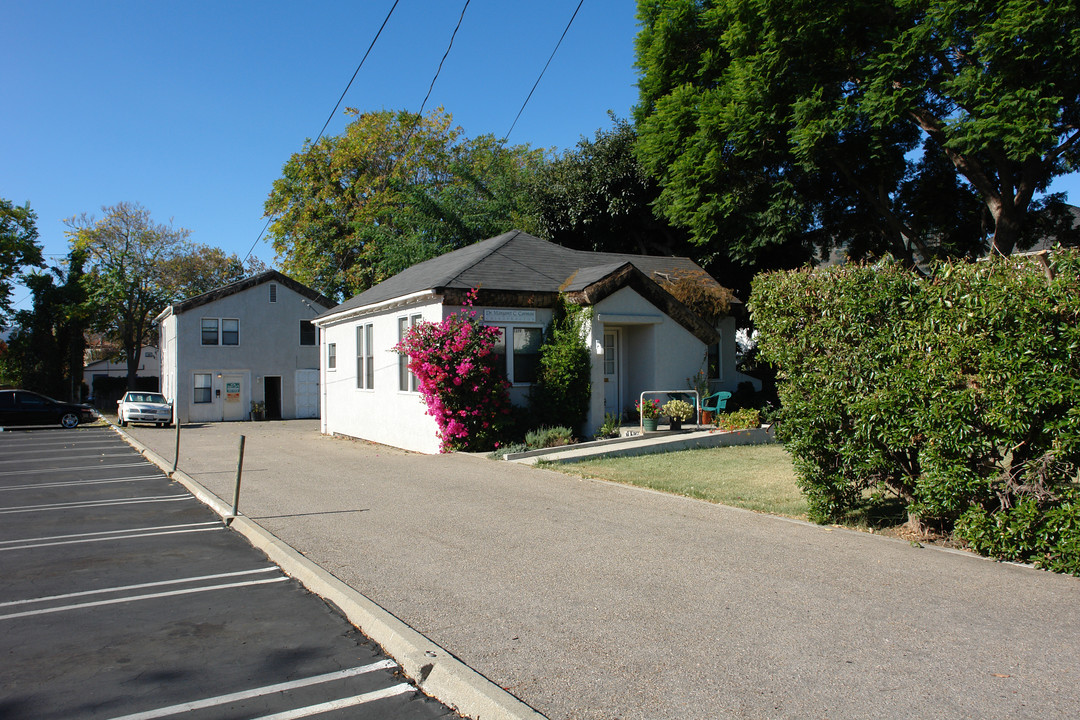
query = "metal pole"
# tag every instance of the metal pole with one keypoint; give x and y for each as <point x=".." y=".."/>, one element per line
<point x="176" y="457"/>
<point x="239" y="472"/>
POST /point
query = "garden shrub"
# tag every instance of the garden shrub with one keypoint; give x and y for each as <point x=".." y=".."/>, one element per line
<point x="563" y="388"/>
<point x="738" y="419"/>
<point x="457" y="378"/>
<point x="546" y="437"/>
<point x="957" y="392"/>
<point x="1044" y="534"/>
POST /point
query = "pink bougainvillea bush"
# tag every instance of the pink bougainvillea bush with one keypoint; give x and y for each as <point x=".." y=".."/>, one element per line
<point x="464" y="391"/>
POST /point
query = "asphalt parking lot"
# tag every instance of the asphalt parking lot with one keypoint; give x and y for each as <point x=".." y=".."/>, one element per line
<point x="125" y="597"/>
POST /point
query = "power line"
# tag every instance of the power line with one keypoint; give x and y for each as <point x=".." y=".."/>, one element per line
<point x="445" y="54"/>
<point x="544" y="70"/>
<point x="373" y="40"/>
<point x="338" y="104"/>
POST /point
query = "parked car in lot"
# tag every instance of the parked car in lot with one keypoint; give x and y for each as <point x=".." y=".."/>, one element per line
<point x="143" y="407"/>
<point x="23" y="407"/>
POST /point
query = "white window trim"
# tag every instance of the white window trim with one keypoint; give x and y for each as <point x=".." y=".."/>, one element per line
<point x="331" y="357"/>
<point x="220" y="332"/>
<point x="365" y="357"/>
<point x="413" y="383"/>
<point x="508" y="340"/>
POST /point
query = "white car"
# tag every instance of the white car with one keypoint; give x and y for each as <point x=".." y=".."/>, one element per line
<point x="143" y="407"/>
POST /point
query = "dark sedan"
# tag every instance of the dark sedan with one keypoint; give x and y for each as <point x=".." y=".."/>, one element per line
<point x="22" y="407"/>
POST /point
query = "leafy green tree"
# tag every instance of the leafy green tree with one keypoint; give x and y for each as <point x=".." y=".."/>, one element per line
<point x="774" y="124"/>
<point x="18" y="246"/>
<point x="598" y="197"/>
<point x="394" y="189"/>
<point x="46" y="349"/>
<point x="196" y="269"/>
<point x="127" y="255"/>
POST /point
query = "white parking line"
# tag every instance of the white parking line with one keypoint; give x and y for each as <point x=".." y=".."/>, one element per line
<point x="38" y="447"/>
<point x="258" y="692"/>
<point x="70" y="483"/>
<point x="399" y="689"/>
<point x="89" y="456"/>
<point x="95" y="503"/>
<point x="133" y="598"/>
<point x="140" y="586"/>
<point x="69" y="469"/>
<point x="120" y="536"/>
<point x="112" y="532"/>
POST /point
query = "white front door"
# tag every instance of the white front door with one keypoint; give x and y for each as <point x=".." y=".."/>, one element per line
<point x="232" y="395"/>
<point x="307" y="393"/>
<point x="612" y="378"/>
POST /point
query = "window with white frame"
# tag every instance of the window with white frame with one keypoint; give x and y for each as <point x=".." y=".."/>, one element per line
<point x="220" y="331"/>
<point x="406" y="379"/>
<point x="522" y="362"/>
<point x="365" y="357"/>
<point x="210" y="331"/>
<point x="204" y="388"/>
<point x="230" y="331"/>
<point x="331" y="356"/>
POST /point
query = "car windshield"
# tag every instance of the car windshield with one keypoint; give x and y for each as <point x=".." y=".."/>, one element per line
<point x="146" y="398"/>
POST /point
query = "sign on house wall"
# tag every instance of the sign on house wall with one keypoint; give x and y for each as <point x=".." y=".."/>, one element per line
<point x="498" y="315"/>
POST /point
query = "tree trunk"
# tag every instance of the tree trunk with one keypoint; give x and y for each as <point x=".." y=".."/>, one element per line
<point x="133" y="357"/>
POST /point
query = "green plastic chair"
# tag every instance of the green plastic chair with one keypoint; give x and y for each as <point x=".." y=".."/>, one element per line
<point x="716" y="402"/>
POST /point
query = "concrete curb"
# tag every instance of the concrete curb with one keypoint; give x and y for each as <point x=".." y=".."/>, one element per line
<point x="432" y="668"/>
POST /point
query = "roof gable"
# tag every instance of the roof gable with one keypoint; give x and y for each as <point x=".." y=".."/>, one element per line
<point x="246" y="284"/>
<point x="514" y="262"/>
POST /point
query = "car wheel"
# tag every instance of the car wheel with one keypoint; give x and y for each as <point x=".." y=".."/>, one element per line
<point x="69" y="420"/>
<point x="121" y="421"/>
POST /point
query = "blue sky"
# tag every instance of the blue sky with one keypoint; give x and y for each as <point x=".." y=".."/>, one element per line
<point x="192" y="108"/>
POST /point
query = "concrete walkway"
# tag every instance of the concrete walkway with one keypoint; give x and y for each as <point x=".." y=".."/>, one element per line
<point x="593" y="600"/>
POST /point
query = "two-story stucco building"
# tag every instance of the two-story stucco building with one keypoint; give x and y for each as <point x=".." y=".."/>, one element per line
<point x="252" y="341"/>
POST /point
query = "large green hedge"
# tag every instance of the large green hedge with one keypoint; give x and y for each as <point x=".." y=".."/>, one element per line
<point x="958" y="392"/>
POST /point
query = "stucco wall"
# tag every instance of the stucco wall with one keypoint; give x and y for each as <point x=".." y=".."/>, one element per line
<point x="656" y="352"/>
<point x="384" y="414"/>
<point x="269" y="345"/>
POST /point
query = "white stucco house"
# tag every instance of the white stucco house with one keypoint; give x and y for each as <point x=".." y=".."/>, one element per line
<point x="116" y="366"/>
<point x="640" y="337"/>
<point x="252" y="341"/>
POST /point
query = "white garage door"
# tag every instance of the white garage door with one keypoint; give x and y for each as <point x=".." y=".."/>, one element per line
<point x="307" y="393"/>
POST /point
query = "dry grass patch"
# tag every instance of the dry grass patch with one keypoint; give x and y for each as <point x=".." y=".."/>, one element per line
<point x="754" y="477"/>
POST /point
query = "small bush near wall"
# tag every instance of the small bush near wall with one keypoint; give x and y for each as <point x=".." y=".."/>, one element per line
<point x="738" y="419"/>
<point x="563" y="390"/>
<point x="958" y="392"/>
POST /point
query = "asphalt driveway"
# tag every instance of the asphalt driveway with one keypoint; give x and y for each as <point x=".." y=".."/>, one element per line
<point x="588" y="599"/>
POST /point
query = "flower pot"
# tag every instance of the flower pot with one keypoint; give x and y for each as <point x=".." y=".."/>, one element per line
<point x="649" y="424"/>
<point x="675" y="424"/>
<point x="706" y="417"/>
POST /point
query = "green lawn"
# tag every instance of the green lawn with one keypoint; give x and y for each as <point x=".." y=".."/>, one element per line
<point x="755" y="477"/>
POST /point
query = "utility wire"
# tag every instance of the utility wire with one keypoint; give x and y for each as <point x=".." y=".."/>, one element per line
<point x="332" y="112"/>
<point x="512" y="126"/>
<point x="445" y="54"/>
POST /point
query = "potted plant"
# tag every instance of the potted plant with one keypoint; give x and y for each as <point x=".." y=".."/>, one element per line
<point x="678" y="412"/>
<point x="650" y="414"/>
<point x="258" y="411"/>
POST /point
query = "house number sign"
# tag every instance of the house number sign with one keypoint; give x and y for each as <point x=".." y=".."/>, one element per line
<point x="496" y="315"/>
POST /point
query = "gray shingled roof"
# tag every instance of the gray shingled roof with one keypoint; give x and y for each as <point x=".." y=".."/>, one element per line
<point x="514" y="262"/>
<point x="241" y="285"/>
